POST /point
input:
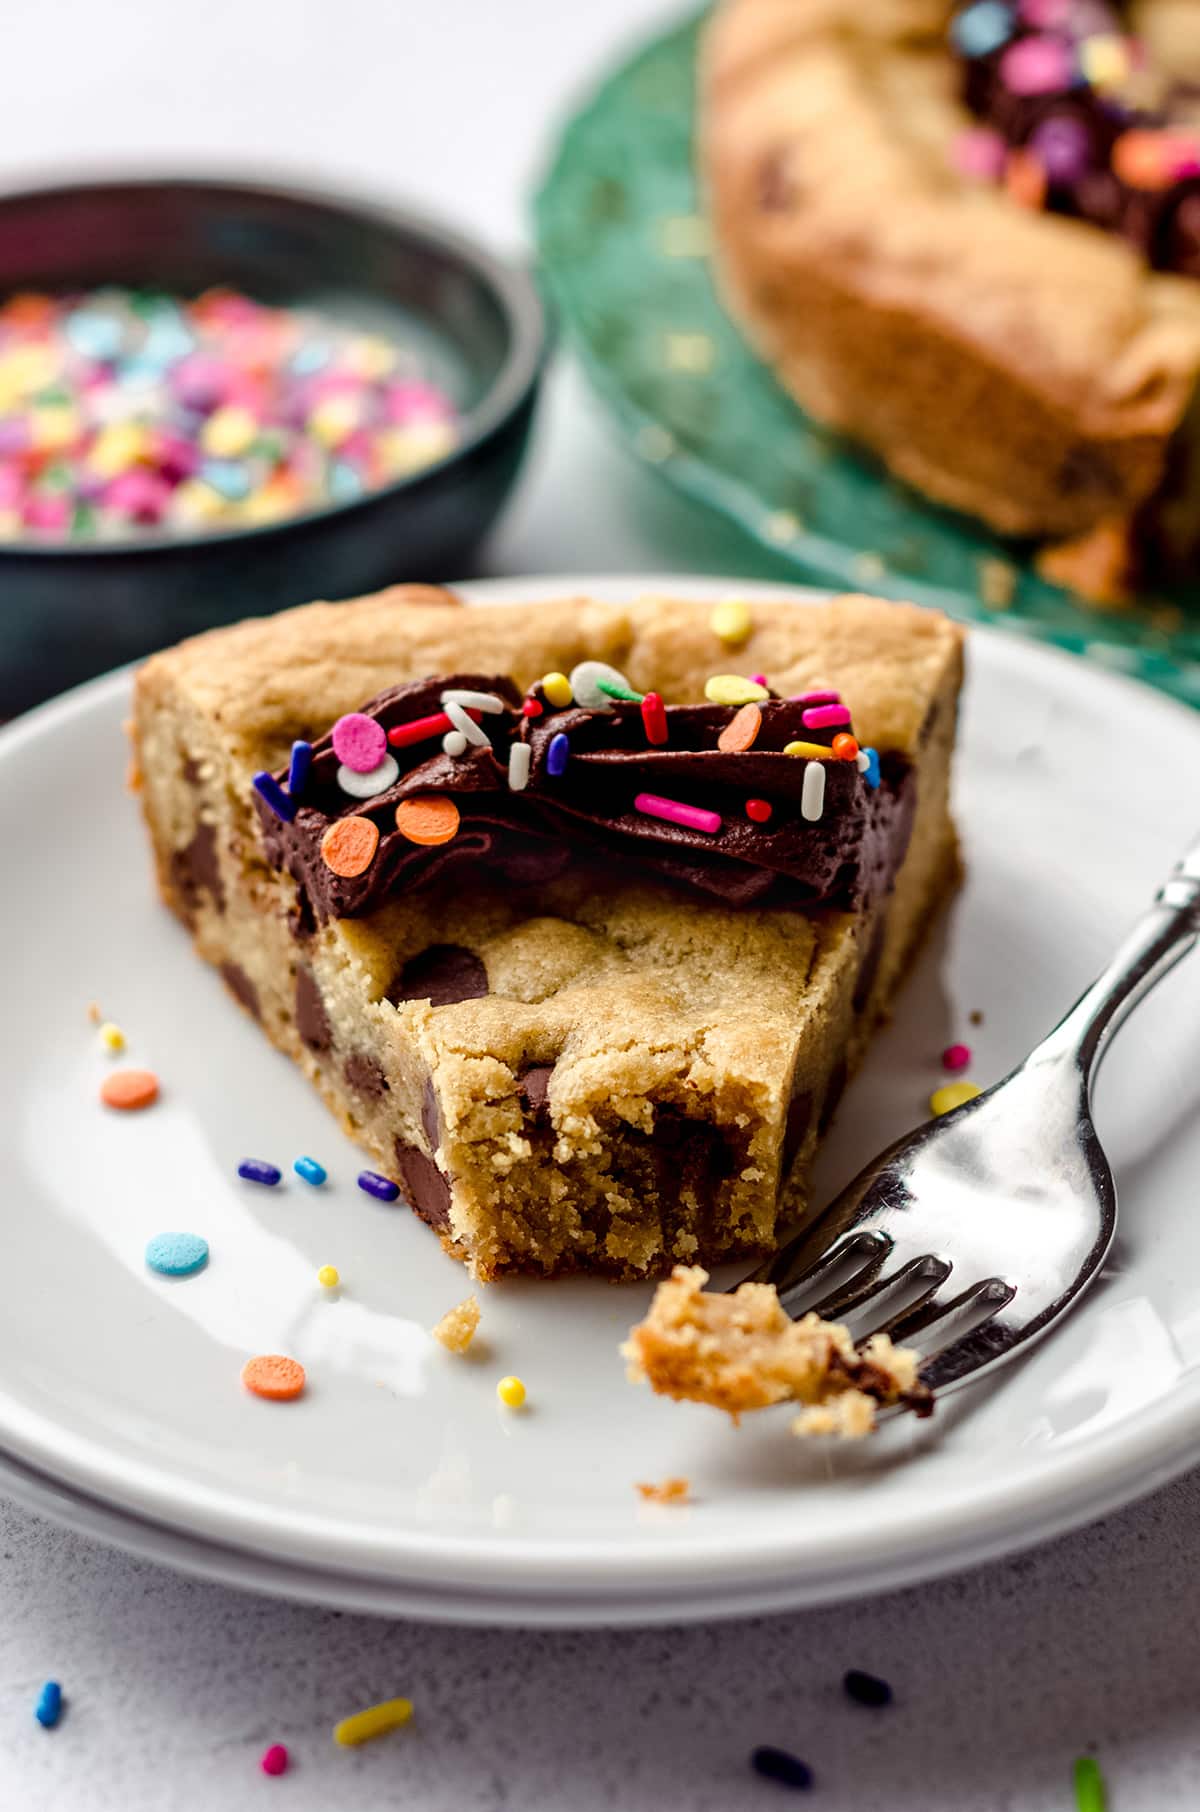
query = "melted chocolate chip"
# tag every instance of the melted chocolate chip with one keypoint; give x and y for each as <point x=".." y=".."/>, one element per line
<point x="431" y="1119"/>
<point x="191" y="770"/>
<point x="834" y="1091"/>
<point x="312" y="1021"/>
<point x="534" y="1091"/>
<point x="442" y="975"/>
<point x="774" y="184"/>
<point x="195" y="869"/>
<point x="1086" y="471"/>
<point x="799" y="1114"/>
<point x="364" y="1074"/>
<point x="424" y="1185"/>
<point x="241" y="987"/>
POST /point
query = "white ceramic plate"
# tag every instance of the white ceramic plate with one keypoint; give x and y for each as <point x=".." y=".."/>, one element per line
<point x="397" y="1483"/>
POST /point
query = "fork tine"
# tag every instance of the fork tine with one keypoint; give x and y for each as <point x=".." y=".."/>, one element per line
<point x="847" y="1258"/>
<point x="960" y="1335"/>
<point x="902" y="1295"/>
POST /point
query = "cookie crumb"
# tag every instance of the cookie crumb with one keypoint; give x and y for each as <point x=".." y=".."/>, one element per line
<point x="456" y="1330"/>
<point x="669" y="1491"/>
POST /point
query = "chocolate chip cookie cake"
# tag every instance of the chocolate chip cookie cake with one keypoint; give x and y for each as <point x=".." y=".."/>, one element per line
<point x="968" y="236"/>
<point x="578" y="915"/>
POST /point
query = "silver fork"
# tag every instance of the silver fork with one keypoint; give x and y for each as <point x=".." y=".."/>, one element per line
<point x="969" y="1237"/>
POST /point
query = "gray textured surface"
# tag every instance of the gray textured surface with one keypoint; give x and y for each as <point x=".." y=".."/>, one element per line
<point x="1002" y="1676"/>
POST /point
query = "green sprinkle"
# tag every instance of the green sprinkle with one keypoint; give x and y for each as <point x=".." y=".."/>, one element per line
<point x="613" y="689"/>
<point x="54" y="393"/>
<point x="83" y="519"/>
<point x="1089" y="1786"/>
<point x="58" y="478"/>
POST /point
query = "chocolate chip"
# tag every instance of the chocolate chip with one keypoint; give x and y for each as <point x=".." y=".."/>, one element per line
<point x="533" y="1088"/>
<point x="799" y="1114"/>
<point x="1086" y="471"/>
<point x="364" y="1074"/>
<point x="868" y="969"/>
<point x="191" y="770"/>
<point x="195" y="869"/>
<point x="312" y="1021"/>
<point x="241" y="987"/>
<point x="697" y="1147"/>
<point x="774" y="183"/>
<point x="442" y="974"/>
<point x="424" y="1185"/>
<point x="834" y="1090"/>
<point x="431" y="1119"/>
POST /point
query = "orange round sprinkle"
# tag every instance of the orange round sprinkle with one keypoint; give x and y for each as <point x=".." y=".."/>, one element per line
<point x="274" y="1376"/>
<point x="129" y="1089"/>
<point x="845" y="747"/>
<point x="1146" y="158"/>
<point x="428" y="818"/>
<point x="1025" y="179"/>
<point x="348" y="847"/>
<point x="741" y="731"/>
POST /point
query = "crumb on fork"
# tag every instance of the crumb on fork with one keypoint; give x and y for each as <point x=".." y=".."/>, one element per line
<point x="456" y="1329"/>
<point x="741" y="1351"/>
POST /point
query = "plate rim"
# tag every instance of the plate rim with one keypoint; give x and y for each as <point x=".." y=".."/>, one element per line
<point x="455" y="1576"/>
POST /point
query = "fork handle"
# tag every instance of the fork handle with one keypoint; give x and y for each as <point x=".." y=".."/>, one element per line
<point x="1156" y="943"/>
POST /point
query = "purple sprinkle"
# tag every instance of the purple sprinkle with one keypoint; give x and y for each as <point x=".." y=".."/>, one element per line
<point x="556" y="754"/>
<point x="778" y="1765"/>
<point x="298" y="771"/>
<point x="867" y="1689"/>
<point x="382" y="1188"/>
<point x="255" y="1170"/>
<point x="1063" y="147"/>
<point x="270" y="791"/>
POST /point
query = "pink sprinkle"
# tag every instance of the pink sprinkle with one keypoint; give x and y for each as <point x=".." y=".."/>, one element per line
<point x="980" y="153"/>
<point x="359" y="742"/>
<point x="1036" y="66"/>
<point x="758" y="679"/>
<point x="818" y="698"/>
<point x="824" y="717"/>
<point x="411" y="401"/>
<point x="274" y="1760"/>
<point x="139" y="494"/>
<point x="49" y="511"/>
<point x="956" y="1057"/>
<point x="1046" y="15"/>
<point x="690" y="816"/>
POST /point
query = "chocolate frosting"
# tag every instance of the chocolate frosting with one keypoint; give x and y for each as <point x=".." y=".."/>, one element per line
<point x="525" y="837"/>
<point x="1164" y="223"/>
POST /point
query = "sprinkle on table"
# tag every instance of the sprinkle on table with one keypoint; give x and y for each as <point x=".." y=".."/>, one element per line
<point x="673" y="811"/>
<point x="111" y="1037"/>
<point x="375" y="1721"/>
<point x="177" y="1254"/>
<point x="781" y="1766"/>
<point x="310" y="1171"/>
<point x="866" y="1689"/>
<point x="951" y="1095"/>
<point x="329" y="1277"/>
<point x="956" y="1057"/>
<point x="129" y="1090"/>
<point x="257" y="1170"/>
<point x="49" y="1705"/>
<point x="274" y="1760"/>
<point x="1090" y="1792"/>
<point x="511" y="1392"/>
<point x="382" y="1188"/>
<point x="274" y="1377"/>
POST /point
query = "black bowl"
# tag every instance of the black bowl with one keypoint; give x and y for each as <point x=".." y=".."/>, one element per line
<point x="69" y="611"/>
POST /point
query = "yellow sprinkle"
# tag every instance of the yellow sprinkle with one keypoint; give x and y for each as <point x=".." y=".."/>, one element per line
<point x="511" y="1392"/>
<point x="195" y="501"/>
<point x="376" y="1721"/>
<point x="951" y="1095"/>
<point x="408" y="449"/>
<point x="54" y="426"/>
<point x="813" y="751"/>
<point x="335" y="420"/>
<point x="371" y="357"/>
<point x="229" y="431"/>
<point x="111" y="1036"/>
<point x="732" y="689"/>
<point x="731" y="622"/>
<point x="116" y="448"/>
<point x="1104" y="59"/>
<point x="557" y="688"/>
<point x="329" y="1277"/>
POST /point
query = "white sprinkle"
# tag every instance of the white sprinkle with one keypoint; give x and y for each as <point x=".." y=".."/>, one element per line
<point x="466" y="726"/>
<point x="454" y="742"/>
<point x="473" y="701"/>
<point x="365" y="786"/>
<point x="587" y="692"/>
<point x="862" y="761"/>
<point x="812" y="796"/>
<point x="518" y="766"/>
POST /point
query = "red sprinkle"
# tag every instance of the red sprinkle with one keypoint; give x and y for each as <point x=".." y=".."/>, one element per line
<point x="532" y="707"/>
<point x="654" y="717"/>
<point x="758" y="809"/>
<point x="422" y="729"/>
<point x="956" y="1057"/>
<point x="274" y="1760"/>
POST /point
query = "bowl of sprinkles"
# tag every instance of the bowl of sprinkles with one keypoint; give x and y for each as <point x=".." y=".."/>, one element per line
<point x="218" y="398"/>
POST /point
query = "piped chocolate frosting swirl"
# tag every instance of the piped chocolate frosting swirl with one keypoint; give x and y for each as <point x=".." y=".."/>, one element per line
<point x="588" y="806"/>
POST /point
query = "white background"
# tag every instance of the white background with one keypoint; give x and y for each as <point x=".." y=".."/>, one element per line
<point x="1002" y="1676"/>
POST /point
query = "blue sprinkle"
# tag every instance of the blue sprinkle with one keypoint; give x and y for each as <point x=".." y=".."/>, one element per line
<point x="298" y="771"/>
<point x="311" y="357"/>
<point x="778" y="1765"/>
<point x="49" y="1706"/>
<point x="228" y="477"/>
<point x="982" y="29"/>
<point x="871" y="771"/>
<point x="254" y="1170"/>
<point x="344" y="482"/>
<point x="270" y="791"/>
<point x="94" y="334"/>
<point x="382" y="1188"/>
<point x="177" y="1254"/>
<point x="556" y="754"/>
<point x="311" y="1171"/>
